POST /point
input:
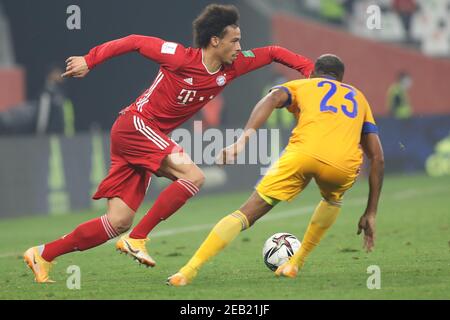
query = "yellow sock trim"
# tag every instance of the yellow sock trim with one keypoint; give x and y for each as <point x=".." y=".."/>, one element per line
<point x="322" y="219"/>
<point x="225" y="231"/>
<point x="243" y="218"/>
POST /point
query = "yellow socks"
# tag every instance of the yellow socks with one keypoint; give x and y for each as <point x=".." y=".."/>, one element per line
<point x="227" y="229"/>
<point x="323" y="217"/>
<point x="220" y="236"/>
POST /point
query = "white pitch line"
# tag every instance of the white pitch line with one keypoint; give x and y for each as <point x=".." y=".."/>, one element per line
<point x="269" y="217"/>
<point x="404" y="194"/>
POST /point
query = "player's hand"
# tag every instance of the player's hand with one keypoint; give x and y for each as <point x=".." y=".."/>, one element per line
<point x="229" y="154"/>
<point x="76" y="67"/>
<point x="367" y="223"/>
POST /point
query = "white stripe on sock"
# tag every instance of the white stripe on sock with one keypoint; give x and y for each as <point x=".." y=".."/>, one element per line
<point x="188" y="188"/>
<point x="191" y="184"/>
<point x="108" y="228"/>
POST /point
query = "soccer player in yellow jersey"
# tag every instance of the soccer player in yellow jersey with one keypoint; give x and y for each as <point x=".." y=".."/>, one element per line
<point x="334" y="122"/>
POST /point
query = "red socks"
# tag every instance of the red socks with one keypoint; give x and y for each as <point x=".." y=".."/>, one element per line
<point x="87" y="235"/>
<point x="170" y="200"/>
<point x="97" y="231"/>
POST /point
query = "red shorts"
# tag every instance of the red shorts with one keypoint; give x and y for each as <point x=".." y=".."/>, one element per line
<point x="137" y="150"/>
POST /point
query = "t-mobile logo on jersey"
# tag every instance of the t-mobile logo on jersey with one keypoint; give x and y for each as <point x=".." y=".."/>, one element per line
<point x="186" y="96"/>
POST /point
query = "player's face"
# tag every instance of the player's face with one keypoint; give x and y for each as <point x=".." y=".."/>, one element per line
<point x="229" y="45"/>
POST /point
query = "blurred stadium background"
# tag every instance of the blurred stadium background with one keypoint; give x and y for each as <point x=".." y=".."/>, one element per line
<point x="54" y="134"/>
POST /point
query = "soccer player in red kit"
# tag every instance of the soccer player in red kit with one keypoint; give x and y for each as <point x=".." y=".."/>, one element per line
<point x="187" y="80"/>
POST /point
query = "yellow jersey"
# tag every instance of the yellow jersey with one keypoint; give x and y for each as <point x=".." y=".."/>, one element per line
<point x="331" y="117"/>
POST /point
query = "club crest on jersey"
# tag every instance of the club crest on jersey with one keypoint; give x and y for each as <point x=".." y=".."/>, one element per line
<point x="221" y="80"/>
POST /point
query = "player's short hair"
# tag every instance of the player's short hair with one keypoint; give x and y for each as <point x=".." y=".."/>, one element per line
<point x="331" y="65"/>
<point x="212" y="23"/>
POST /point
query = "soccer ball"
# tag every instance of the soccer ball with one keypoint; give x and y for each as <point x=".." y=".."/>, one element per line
<point x="279" y="248"/>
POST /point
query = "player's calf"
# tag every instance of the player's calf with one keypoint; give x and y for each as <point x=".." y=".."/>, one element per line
<point x="255" y="207"/>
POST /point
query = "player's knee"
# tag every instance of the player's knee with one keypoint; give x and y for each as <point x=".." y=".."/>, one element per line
<point x="119" y="215"/>
<point x="120" y="223"/>
<point x="123" y="226"/>
<point x="200" y="179"/>
<point x="197" y="177"/>
<point x="332" y="201"/>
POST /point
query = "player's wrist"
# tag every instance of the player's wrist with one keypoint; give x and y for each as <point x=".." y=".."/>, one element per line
<point x="89" y="62"/>
<point x="370" y="212"/>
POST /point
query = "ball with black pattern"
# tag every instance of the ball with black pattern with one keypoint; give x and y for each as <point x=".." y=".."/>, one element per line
<point x="279" y="248"/>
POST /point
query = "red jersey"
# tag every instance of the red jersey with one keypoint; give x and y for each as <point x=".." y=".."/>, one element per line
<point x="183" y="84"/>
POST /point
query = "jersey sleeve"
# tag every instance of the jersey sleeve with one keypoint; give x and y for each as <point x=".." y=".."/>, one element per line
<point x="168" y="54"/>
<point x="369" y="125"/>
<point x="256" y="58"/>
<point x="290" y="88"/>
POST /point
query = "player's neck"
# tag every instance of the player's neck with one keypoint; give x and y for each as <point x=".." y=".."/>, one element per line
<point x="210" y="61"/>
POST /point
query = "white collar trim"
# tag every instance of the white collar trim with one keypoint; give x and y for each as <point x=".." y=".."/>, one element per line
<point x="206" y="68"/>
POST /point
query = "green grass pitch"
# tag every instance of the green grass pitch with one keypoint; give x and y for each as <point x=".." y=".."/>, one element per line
<point x="412" y="251"/>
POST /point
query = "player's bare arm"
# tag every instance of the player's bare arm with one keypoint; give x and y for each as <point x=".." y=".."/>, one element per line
<point x="372" y="148"/>
<point x="261" y="112"/>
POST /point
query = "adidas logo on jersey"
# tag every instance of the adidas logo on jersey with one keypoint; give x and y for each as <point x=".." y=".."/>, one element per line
<point x="189" y="80"/>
